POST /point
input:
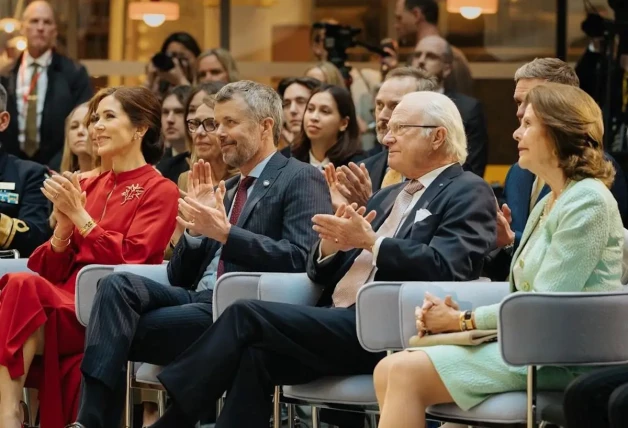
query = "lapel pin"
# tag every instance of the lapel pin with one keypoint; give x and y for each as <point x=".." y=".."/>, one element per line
<point x="266" y="183"/>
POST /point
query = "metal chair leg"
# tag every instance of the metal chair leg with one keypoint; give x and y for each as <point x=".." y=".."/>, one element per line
<point x="277" y="407"/>
<point x="315" y="422"/>
<point x="128" y="411"/>
<point x="291" y="415"/>
<point x="531" y="395"/>
<point x="161" y="402"/>
<point x="372" y="420"/>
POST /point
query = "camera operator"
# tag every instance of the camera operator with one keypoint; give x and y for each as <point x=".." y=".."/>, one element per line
<point x="174" y="65"/>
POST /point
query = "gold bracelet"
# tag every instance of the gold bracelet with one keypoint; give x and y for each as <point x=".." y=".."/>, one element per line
<point x="463" y="325"/>
<point x="59" y="246"/>
<point x="87" y="227"/>
<point x="54" y="234"/>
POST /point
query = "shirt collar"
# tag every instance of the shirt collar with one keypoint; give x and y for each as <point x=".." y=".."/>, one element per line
<point x="429" y="178"/>
<point x="320" y="165"/>
<point x="259" y="168"/>
<point x="43" y="60"/>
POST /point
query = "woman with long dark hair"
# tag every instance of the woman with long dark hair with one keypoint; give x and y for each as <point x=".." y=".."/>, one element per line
<point x="329" y="133"/>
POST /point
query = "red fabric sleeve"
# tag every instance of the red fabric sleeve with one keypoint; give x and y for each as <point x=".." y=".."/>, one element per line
<point x="148" y="236"/>
<point x="55" y="267"/>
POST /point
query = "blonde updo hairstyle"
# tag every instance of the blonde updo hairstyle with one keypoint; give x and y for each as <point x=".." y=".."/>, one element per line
<point x="574" y="123"/>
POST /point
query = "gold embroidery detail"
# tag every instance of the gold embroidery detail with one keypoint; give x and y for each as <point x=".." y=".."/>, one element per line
<point x="134" y="191"/>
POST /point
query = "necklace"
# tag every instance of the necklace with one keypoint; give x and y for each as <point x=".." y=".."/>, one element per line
<point x="551" y="201"/>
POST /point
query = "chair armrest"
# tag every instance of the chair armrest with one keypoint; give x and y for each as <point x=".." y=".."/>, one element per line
<point x="293" y="288"/>
<point x="469" y="295"/>
<point x="157" y="273"/>
<point x="377" y="316"/>
<point x="13" y="266"/>
<point x="564" y="328"/>
<point x="86" y="287"/>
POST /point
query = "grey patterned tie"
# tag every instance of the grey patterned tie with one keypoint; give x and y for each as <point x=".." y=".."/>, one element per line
<point x="347" y="288"/>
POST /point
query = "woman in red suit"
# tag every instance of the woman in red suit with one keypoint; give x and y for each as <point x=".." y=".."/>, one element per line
<point x="128" y="216"/>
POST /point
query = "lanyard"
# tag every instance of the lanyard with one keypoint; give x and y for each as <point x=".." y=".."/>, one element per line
<point x="33" y="84"/>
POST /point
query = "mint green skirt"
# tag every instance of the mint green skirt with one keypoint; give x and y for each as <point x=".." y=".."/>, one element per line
<point x="472" y="374"/>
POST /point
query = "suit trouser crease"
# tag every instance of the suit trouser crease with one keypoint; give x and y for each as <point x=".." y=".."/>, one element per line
<point x="256" y="345"/>
<point x="137" y="319"/>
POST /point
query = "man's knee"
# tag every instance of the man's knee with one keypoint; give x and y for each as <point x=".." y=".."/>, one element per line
<point x="116" y="285"/>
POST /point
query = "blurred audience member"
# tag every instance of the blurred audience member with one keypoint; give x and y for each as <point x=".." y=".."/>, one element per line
<point x="417" y="19"/>
<point x="77" y="153"/>
<point x="101" y="163"/>
<point x="326" y="72"/>
<point x="216" y="65"/>
<point x="44" y="86"/>
<point x="434" y="55"/>
<point x="176" y="156"/>
<point x="174" y="64"/>
<point x="196" y="97"/>
<point x="23" y="208"/>
<point x="573" y="242"/>
<point x="329" y="133"/>
<point x="294" y="93"/>
<point x="120" y="217"/>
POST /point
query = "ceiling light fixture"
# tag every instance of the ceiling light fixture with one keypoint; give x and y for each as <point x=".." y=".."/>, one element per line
<point x="153" y="12"/>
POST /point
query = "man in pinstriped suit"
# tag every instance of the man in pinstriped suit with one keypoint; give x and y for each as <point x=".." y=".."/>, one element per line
<point x="259" y="221"/>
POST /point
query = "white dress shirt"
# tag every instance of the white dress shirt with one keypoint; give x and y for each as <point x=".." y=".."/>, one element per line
<point x="24" y="76"/>
<point x="320" y="165"/>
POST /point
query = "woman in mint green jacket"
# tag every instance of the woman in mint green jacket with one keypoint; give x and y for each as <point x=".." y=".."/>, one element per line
<point x="572" y="242"/>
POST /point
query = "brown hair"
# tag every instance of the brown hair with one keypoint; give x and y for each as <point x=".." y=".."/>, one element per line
<point x="144" y="109"/>
<point x="424" y="82"/>
<point x="551" y="69"/>
<point x="69" y="161"/>
<point x="573" y="120"/>
<point x="225" y="59"/>
<point x="333" y="76"/>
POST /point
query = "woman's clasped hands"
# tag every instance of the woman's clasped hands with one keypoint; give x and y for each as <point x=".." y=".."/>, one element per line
<point x="437" y="315"/>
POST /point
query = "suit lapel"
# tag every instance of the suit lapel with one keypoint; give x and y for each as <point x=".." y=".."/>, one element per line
<point x="544" y="191"/>
<point x="535" y="216"/>
<point x="437" y="186"/>
<point x="385" y="207"/>
<point x="262" y="185"/>
<point x="526" y="182"/>
<point x="50" y="89"/>
<point x="232" y="186"/>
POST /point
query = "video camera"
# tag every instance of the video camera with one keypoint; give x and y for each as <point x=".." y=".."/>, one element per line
<point x="339" y="38"/>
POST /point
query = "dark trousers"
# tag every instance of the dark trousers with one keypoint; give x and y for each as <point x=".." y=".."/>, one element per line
<point x="598" y="399"/>
<point x="137" y="319"/>
<point x="256" y="345"/>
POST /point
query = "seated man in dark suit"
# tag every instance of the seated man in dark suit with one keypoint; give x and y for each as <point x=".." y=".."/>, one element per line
<point x="44" y="87"/>
<point x="356" y="183"/>
<point x="257" y="221"/>
<point x="434" y="55"/>
<point x="23" y="208"/>
<point x="522" y="189"/>
<point x="437" y="226"/>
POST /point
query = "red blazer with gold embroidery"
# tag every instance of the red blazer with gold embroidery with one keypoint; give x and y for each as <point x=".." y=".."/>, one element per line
<point x="135" y="212"/>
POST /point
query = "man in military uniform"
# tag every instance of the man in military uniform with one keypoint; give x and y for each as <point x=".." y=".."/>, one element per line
<point x="24" y="210"/>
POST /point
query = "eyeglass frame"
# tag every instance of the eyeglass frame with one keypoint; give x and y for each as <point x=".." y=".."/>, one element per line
<point x="408" y="125"/>
<point x="200" y="123"/>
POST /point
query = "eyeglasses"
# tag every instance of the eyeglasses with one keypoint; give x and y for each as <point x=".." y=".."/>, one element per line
<point x="394" y="128"/>
<point x="209" y="124"/>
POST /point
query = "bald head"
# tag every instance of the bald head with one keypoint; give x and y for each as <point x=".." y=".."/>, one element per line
<point x="39" y="27"/>
<point x="434" y="55"/>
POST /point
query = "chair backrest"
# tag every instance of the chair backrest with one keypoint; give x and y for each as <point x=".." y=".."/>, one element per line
<point x="564" y="328"/>
<point x="377" y="316"/>
<point x="13" y="266"/>
<point x="468" y="295"/>
<point x="157" y="273"/>
<point x="86" y="287"/>
<point x="386" y="311"/>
